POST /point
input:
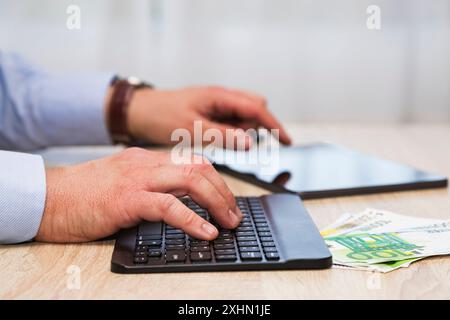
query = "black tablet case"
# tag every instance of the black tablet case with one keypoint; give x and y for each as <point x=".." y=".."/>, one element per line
<point x="370" y="174"/>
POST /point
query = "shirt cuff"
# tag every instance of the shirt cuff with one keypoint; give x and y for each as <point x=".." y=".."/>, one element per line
<point x="22" y="196"/>
<point x="72" y="108"/>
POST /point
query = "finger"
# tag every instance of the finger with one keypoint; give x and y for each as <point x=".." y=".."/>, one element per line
<point x="166" y="207"/>
<point x="247" y="124"/>
<point x="188" y="180"/>
<point x="210" y="173"/>
<point x="249" y="95"/>
<point x="268" y="121"/>
<point x="231" y="103"/>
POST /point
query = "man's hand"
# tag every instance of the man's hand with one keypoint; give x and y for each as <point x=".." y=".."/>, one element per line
<point x="96" y="199"/>
<point x="154" y="114"/>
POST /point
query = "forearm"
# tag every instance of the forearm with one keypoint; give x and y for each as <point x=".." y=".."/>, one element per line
<point x="40" y="109"/>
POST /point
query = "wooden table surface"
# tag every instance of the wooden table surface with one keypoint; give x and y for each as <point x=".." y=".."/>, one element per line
<point x="77" y="271"/>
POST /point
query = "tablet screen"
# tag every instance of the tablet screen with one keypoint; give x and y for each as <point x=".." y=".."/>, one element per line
<point x="323" y="169"/>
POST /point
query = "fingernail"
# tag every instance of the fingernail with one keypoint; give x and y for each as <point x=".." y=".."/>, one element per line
<point x="234" y="217"/>
<point x="209" y="229"/>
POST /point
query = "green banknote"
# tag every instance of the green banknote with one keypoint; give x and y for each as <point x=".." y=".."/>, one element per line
<point x="369" y="248"/>
<point x="377" y="240"/>
<point x="389" y="246"/>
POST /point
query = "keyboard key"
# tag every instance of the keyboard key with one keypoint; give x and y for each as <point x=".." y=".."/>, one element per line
<point x="265" y="234"/>
<point x="228" y="257"/>
<point x="175" y="241"/>
<point x="140" y="254"/>
<point x="244" y="229"/>
<point x="246" y="238"/>
<point x="268" y="244"/>
<point x="249" y="249"/>
<point x="154" y="253"/>
<point x="174" y="231"/>
<point x="175" y="247"/>
<point x="175" y="236"/>
<point x="140" y="260"/>
<point x="260" y="220"/>
<point x="199" y="243"/>
<point x="200" y="256"/>
<point x="150" y="243"/>
<point x="225" y="235"/>
<point x="261" y="224"/>
<point x="251" y="256"/>
<point x="266" y="239"/>
<point x="223" y="246"/>
<point x="247" y="243"/>
<point x="224" y="251"/>
<point x="148" y="228"/>
<point x="270" y="249"/>
<point x="224" y="240"/>
<point x="175" y="256"/>
<point x="149" y="237"/>
<point x="245" y="233"/>
<point x="272" y="256"/>
<point x="200" y="248"/>
<point x="141" y="248"/>
<point x="245" y="224"/>
<point x="263" y="229"/>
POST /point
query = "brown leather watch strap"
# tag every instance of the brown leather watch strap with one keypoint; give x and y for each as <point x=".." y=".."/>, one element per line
<point x="117" y="117"/>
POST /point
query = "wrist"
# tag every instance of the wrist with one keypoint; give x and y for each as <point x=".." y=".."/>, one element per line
<point x="53" y="204"/>
<point x="137" y="121"/>
<point x="118" y="105"/>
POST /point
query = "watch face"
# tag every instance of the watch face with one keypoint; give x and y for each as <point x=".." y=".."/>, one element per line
<point x="135" y="81"/>
<point x="138" y="83"/>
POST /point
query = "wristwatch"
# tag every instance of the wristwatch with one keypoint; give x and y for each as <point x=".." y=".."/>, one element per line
<point x="122" y="93"/>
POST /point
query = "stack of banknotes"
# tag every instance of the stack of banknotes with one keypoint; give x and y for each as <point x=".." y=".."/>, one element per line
<point x="376" y="240"/>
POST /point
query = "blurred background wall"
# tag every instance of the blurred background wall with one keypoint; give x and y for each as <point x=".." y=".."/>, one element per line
<point x="315" y="60"/>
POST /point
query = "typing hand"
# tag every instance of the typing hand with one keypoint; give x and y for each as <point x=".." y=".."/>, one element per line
<point x="154" y="114"/>
<point x="95" y="199"/>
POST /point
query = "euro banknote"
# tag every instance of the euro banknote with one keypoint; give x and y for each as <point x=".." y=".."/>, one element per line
<point x="383" y="241"/>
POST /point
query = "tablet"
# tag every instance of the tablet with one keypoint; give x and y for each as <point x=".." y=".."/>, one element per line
<point x="326" y="170"/>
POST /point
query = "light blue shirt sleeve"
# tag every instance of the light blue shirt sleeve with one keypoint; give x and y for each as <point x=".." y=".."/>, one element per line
<point x="37" y="110"/>
<point x="22" y="196"/>
<point x="40" y="109"/>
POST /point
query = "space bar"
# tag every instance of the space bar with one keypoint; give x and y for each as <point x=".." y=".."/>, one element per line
<point x="148" y="228"/>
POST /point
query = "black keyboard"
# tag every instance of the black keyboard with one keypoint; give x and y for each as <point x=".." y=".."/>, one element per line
<point x="257" y="243"/>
